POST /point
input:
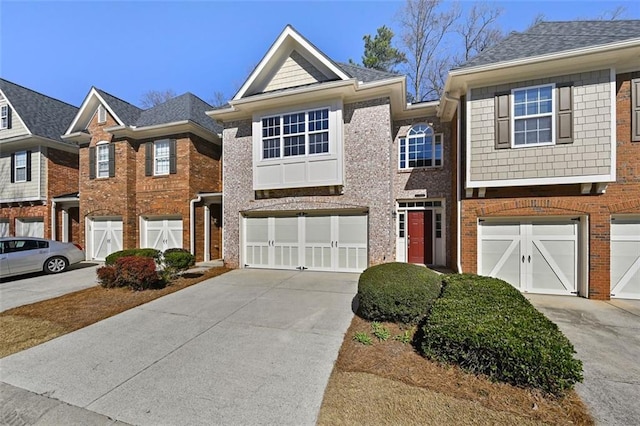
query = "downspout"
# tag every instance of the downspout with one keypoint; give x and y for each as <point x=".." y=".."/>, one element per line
<point x="53" y="219"/>
<point x="450" y="98"/>
<point x="192" y="225"/>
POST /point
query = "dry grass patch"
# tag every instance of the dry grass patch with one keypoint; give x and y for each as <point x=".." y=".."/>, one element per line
<point x="424" y="386"/>
<point x="30" y="325"/>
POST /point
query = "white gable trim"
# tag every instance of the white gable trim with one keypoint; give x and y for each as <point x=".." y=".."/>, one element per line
<point x="278" y="49"/>
<point x="88" y="109"/>
<point x="13" y="111"/>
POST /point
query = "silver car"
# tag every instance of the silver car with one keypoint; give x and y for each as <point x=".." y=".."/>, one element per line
<point x="21" y="255"/>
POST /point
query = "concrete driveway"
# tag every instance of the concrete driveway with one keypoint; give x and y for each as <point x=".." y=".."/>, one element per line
<point x="606" y="336"/>
<point x="30" y="288"/>
<point x="248" y="347"/>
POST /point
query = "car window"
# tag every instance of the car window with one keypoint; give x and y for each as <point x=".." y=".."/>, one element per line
<point x="13" y="246"/>
<point x="43" y="244"/>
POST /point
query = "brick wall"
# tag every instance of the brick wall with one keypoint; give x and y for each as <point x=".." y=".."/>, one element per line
<point x="623" y="196"/>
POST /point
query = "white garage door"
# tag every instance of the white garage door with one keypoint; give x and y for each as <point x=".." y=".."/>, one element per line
<point x="625" y="257"/>
<point x="30" y="227"/>
<point x="320" y="243"/>
<point x="4" y="227"/>
<point x="533" y="257"/>
<point x="161" y="233"/>
<point x="105" y="236"/>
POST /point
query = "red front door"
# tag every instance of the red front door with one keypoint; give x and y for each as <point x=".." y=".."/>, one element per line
<point x="420" y="231"/>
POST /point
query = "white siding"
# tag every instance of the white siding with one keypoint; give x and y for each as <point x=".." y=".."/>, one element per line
<point x="17" y="128"/>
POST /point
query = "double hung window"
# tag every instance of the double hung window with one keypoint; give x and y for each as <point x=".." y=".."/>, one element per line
<point x="295" y="134"/>
<point x="533" y="116"/>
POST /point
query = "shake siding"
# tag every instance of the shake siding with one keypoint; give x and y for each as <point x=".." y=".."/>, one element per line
<point x="17" y="128"/>
<point x="589" y="154"/>
<point x="295" y="71"/>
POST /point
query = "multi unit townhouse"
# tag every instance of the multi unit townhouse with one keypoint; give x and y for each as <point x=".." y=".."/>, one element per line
<point x="327" y="167"/>
<point x="148" y="178"/>
<point x="527" y="168"/>
<point x="36" y="165"/>
<point x="549" y="159"/>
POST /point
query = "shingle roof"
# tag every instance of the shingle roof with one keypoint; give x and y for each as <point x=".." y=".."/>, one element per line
<point x="184" y="107"/>
<point x="124" y="110"/>
<point x="553" y="37"/>
<point x="43" y="115"/>
<point x="365" y="74"/>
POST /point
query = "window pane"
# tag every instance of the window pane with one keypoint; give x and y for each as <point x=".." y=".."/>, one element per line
<point x="532" y="109"/>
<point x="519" y="96"/>
<point x="293" y="123"/>
<point x="519" y="110"/>
<point x="545" y="93"/>
<point x="271" y="148"/>
<point x="21" y="159"/>
<point x="293" y="145"/>
<point x="319" y="143"/>
<point x="545" y="107"/>
<point x="21" y="174"/>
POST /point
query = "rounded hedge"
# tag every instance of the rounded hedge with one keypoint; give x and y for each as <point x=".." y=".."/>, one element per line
<point x="140" y="252"/>
<point x="397" y="292"/>
<point x="487" y="326"/>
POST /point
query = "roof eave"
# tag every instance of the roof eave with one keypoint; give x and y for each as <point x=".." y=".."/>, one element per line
<point x="156" y="130"/>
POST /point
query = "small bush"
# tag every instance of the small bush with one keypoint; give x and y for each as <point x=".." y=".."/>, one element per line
<point x="177" y="260"/>
<point x="363" y="338"/>
<point x="135" y="272"/>
<point x="381" y="332"/>
<point x="487" y="326"/>
<point x="397" y="292"/>
<point x="144" y="252"/>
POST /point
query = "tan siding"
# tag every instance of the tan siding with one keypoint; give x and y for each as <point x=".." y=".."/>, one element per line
<point x="20" y="190"/>
<point x="295" y="71"/>
<point x="17" y="128"/>
<point x="589" y="154"/>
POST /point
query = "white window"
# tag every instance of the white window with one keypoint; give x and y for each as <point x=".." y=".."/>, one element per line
<point x="161" y="157"/>
<point x="421" y="148"/>
<point x="102" y="114"/>
<point x="295" y="134"/>
<point x="21" y="166"/>
<point x="102" y="160"/>
<point x="4" y="117"/>
<point x="533" y="116"/>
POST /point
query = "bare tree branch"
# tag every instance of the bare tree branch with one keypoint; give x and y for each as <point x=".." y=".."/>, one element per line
<point x="152" y="98"/>
<point x="479" y="30"/>
<point x="219" y="99"/>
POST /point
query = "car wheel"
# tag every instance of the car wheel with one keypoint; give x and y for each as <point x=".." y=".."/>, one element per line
<point x="55" y="265"/>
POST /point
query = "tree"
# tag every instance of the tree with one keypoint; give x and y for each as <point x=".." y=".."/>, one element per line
<point x="379" y="54"/>
<point x="219" y="99"/>
<point x="424" y="27"/>
<point x="152" y="98"/>
<point x="479" y="30"/>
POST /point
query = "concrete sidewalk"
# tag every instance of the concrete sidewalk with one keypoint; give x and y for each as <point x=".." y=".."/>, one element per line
<point x="606" y="336"/>
<point x="248" y="347"/>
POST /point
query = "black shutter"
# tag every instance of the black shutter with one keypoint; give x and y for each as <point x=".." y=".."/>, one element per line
<point x="92" y="162"/>
<point x="172" y="156"/>
<point x="8" y="117"/>
<point x="13" y="167"/>
<point x="148" y="159"/>
<point x="635" y="110"/>
<point x="564" y="115"/>
<point x="112" y="160"/>
<point x="502" y="121"/>
<point x="28" y="166"/>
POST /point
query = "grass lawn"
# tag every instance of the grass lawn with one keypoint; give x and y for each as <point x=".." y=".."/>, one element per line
<point x="30" y="325"/>
<point x="388" y="383"/>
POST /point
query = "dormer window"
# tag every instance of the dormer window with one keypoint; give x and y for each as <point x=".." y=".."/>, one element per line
<point x="5" y="117"/>
<point x="102" y="114"/>
<point x="295" y="134"/>
<point x="421" y="148"/>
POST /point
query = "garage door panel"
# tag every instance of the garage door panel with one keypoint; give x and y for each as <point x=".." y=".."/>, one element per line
<point x="553" y="266"/>
<point x="501" y="259"/>
<point x="106" y="237"/>
<point x="625" y="258"/>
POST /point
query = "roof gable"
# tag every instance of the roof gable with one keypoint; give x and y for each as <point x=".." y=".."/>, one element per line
<point x="122" y="112"/>
<point x="42" y="115"/>
<point x="290" y="62"/>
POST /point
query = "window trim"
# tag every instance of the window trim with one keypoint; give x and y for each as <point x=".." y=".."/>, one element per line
<point x="4" y="117"/>
<point x="405" y="139"/>
<point x="552" y="114"/>
<point x="156" y="157"/>
<point x="307" y="133"/>
<point x="16" y="167"/>
<point x="102" y="145"/>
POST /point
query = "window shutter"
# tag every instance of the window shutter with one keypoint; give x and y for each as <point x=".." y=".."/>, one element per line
<point x="13" y="168"/>
<point x="172" y="156"/>
<point x="28" y="166"/>
<point x="564" y="114"/>
<point x="148" y="159"/>
<point x="92" y="162"/>
<point x="503" y="121"/>
<point x="8" y="117"/>
<point x="635" y="110"/>
<point x="112" y="160"/>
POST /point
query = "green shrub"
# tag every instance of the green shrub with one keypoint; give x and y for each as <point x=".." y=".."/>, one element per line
<point x="397" y="292"/>
<point x="142" y="252"/>
<point x="177" y="260"/>
<point x="380" y="331"/>
<point x="135" y="272"/>
<point x="487" y="326"/>
<point x="363" y="338"/>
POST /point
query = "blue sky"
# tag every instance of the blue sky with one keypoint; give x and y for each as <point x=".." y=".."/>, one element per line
<point x="62" y="48"/>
